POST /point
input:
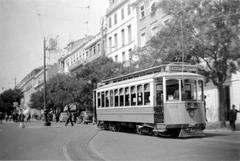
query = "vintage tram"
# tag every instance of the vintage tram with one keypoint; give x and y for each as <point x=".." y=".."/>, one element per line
<point x="163" y="100"/>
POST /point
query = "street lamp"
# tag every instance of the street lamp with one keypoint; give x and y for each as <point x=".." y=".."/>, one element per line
<point x="51" y="46"/>
<point x="47" y="122"/>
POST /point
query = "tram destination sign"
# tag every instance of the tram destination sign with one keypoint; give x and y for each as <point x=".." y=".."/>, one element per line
<point x="182" y="68"/>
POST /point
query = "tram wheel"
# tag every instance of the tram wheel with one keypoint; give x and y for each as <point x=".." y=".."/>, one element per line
<point x="155" y="133"/>
<point x="139" y="131"/>
<point x="105" y="126"/>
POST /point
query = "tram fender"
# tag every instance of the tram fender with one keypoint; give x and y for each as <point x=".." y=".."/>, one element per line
<point x="194" y="133"/>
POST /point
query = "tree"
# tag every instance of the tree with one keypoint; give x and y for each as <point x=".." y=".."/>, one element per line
<point x="36" y="100"/>
<point x="8" y="97"/>
<point x="205" y="32"/>
<point x="99" y="69"/>
<point x="76" y="88"/>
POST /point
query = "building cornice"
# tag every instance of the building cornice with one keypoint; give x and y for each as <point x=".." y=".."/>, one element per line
<point x="115" y="6"/>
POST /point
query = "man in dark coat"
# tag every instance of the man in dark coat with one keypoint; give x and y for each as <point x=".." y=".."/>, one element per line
<point x="69" y="117"/>
<point x="233" y="117"/>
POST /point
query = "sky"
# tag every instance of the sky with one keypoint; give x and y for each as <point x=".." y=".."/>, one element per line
<point x="25" y="23"/>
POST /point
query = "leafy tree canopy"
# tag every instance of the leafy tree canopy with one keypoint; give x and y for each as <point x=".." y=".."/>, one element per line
<point x="200" y="31"/>
<point x="9" y="96"/>
<point x="99" y="69"/>
<point x="65" y="89"/>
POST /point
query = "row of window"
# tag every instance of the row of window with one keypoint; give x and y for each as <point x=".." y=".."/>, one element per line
<point x="139" y="95"/>
<point x="82" y="54"/>
<point x="116" y="17"/>
<point x="128" y="96"/>
<point x="116" y="44"/>
<point x="116" y="59"/>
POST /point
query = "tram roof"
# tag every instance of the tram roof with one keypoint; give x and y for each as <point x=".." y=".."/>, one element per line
<point x="169" y="68"/>
<point x="148" y="78"/>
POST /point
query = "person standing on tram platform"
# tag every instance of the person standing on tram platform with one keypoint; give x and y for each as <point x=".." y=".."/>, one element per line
<point x="205" y="107"/>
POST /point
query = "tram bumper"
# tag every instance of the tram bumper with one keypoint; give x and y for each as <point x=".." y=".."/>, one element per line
<point x="191" y="131"/>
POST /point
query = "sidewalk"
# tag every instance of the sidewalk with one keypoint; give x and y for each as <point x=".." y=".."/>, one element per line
<point x="40" y="124"/>
<point x="216" y="126"/>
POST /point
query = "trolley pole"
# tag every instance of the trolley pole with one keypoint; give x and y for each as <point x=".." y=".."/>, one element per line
<point x="46" y="123"/>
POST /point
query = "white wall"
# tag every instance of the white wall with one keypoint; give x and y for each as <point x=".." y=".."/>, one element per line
<point x="211" y="104"/>
<point x="235" y="93"/>
<point x="212" y="98"/>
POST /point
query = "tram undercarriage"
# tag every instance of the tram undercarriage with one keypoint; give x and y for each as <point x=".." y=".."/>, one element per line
<point x="181" y="131"/>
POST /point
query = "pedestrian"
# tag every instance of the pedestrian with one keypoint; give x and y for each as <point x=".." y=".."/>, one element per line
<point x="21" y="119"/>
<point x="69" y="117"/>
<point x="233" y="117"/>
<point x="29" y="117"/>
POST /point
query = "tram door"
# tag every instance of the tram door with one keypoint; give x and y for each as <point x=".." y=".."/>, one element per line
<point x="159" y="108"/>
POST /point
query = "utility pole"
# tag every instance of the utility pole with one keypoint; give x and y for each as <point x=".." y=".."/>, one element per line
<point x="46" y="123"/>
<point x="15" y="82"/>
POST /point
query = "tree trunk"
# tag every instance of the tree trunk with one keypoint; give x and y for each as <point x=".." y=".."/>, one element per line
<point x="222" y="105"/>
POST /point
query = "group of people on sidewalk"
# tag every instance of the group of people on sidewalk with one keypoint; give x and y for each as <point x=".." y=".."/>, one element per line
<point x="16" y="116"/>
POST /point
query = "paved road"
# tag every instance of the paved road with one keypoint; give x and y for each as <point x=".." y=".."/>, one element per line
<point x="87" y="143"/>
<point x="215" y="146"/>
<point x="36" y="142"/>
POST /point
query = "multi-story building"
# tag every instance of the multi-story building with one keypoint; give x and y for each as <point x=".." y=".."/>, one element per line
<point x="27" y="87"/>
<point x="33" y="82"/>
<point x="75" y="54"/>
<point x="82" y="51"/>
<point x="150" y="19"/>
<point x="51" y="71"/>
<point x="121" y="30"/>
<point x="93" y="49"/>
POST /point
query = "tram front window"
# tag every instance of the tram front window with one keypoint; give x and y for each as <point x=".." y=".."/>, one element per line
<point x="189" y="89"/>
<point x="172" y="87"/>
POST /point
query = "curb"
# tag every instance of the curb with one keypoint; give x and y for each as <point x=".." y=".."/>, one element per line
<point x="93" y="150"/>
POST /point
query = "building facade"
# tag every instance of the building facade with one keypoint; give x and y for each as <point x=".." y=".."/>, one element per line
<point x="75" y="54"/>
<point x="93" y="49"/>
<point x="121" y="30"/>
<point x="150" y="20"/>
<point x="51" y="71"/>
<point x="34" y="82"/>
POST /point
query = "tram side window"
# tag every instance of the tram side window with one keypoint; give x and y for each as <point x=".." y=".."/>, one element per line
<point x="107" y="98"/>
<point x="99" y="99"/>
<point x="102" y="97"/>
<point x="139" y="95"/>
<point x="147" y="94"/>
<point x="111" y="98"/>
<point x="159" y="94"/>
<point x="116" y="100"/>
<point x="121" y="95"/>
<point x="133" y="96"/>
<point x="172" y="88"/>
<point x="127" y="98"/>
